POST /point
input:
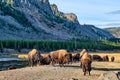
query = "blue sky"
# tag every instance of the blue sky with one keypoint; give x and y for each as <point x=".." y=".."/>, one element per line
<point x="101" y="13"/>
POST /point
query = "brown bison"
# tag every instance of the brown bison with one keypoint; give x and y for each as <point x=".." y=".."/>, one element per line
<point x="96" y="58"/>
<point x="85" y="61"/>
<point x="70" y="60"/>
<point x="34" y="57"/>
<point x="105" y="58"/>
<point x="112" y="58"/>
<point x="75" y="57"/>
<point x="60" y="56"/>
<point x="45" y="59"/>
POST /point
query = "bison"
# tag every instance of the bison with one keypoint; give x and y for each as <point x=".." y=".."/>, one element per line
<point x="75" y="57"/>
<point x="105" y="58"/>
<point x="96" y="58"/>
<point x="112" y="58"/>
<point x="60" y="56"/>
<point x="85" y="61"/>
<point x="34" y="57"/>
<point x="45" y="59"/>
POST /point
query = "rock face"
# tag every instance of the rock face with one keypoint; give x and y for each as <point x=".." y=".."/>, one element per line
<point x="115" y="31"/>
<point x="108" y="76"/>
<point x="38" y="20"/>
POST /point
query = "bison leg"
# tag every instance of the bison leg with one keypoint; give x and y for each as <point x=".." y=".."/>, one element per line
<point x="84" y="73"/>
<point x="84" y="69"/>
<point x="89" y="73"/>
<point x="81" y="64"/>
<point x="31" y="62"/>
<point x="89" y="69"/>
<point x="61" y="63"/>
<point x="53" y="62"/>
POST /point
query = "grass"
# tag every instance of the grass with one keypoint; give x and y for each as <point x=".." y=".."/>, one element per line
<point x="23" y="56"/>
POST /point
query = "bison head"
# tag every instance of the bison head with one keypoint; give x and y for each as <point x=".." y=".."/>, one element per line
<point x="67" y="58"/>
<point x="82" y="52"/>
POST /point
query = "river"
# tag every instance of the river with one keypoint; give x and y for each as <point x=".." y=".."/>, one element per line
<point x="7" y="60"/>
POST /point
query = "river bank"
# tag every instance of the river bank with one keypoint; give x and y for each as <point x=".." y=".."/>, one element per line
<point x="48" y="72"/>
<point x="7" y="60"/>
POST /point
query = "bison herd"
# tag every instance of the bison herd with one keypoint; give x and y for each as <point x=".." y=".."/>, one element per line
<point x="63" y="57"/>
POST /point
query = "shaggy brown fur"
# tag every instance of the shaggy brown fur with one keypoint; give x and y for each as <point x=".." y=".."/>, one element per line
<point x="34" y="57"/>
<point x="112" y="58"/>
<point x="86" y="65"/>
<point x="105" y="58"/>
<point x="85" y="61"/>
<point x="45" y="59"/>
<point x="96" y="58"/>
<point x="75" y="57"/>
<point x="70" y="60"/>
<point x="59" y="56"/>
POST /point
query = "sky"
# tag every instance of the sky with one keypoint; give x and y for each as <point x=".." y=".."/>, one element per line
<point x="101" y="13"/>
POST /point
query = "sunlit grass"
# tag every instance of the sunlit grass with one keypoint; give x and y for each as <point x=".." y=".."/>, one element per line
<point x="22" y="56"/>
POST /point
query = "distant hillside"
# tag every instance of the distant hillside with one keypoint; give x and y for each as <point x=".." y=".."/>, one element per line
<point x="115" y="31"/>
<point x="38" y="20"/>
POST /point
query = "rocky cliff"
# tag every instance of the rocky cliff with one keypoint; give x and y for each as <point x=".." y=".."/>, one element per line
<point x="38" y="20"/>
<point x="115" y="31"/>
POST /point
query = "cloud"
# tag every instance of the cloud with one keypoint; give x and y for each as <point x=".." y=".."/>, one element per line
<point x="114" y="12"/>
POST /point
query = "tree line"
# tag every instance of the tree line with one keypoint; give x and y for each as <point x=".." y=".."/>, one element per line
<point x="70" y="45"/>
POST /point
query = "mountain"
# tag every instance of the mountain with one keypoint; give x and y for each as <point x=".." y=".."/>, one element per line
<point x="115" y="31"/>
<point x="38" y="20"/>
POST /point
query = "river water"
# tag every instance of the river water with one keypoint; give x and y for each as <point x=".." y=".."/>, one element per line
<point x="7" y="60"/>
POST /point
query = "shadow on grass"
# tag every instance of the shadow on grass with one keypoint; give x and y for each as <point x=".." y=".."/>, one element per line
<point x="68" y="66"/>
<point x="93" y="68"/>
<point x="73" y="66"/>
<point x="106" y="69"/>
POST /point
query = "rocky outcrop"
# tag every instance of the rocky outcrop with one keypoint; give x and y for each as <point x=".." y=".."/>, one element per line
<point x="67" y="16"/>
<point x="108" y="76"/>
<point x="115" y="31"/>
<point x="71" y="17"/>
<point x="38" y="20"/>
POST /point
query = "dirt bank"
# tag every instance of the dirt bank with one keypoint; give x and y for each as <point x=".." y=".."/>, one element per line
<point x="48" y="72"/>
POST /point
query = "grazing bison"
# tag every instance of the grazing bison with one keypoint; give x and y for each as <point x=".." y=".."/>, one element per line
<point x="85" y="61"/>
<point x="112" y="58"/>
<point x="75" y="57"/>
<point x="45" y="59"/>
<point x="34" y="57"/>
<point x="96" y="58"/>
<point x="60" y="56"/>
<point x="105" y="58"/>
